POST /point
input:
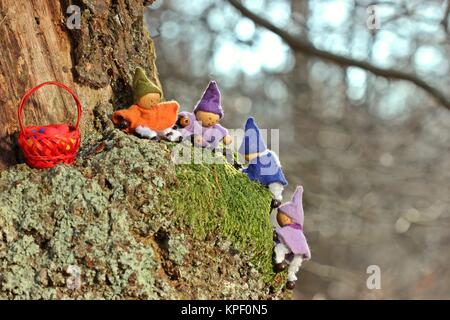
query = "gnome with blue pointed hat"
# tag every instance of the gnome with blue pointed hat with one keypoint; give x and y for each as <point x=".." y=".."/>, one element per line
<point x="291" y="246"/>
<point x="202" y="125"/>
<point x="264" y="165"/>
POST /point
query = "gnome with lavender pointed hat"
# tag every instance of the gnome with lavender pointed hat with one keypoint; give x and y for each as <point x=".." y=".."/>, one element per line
<point x="289" y="237"/>
<point x="202" y="125"/>
<point x="264" y="165"/>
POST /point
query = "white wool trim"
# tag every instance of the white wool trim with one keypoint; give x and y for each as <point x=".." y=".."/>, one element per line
<point x="146" y="132"/>
<point x="173" y="137"/>
<point x="276" y="189"/>
<point x="294" y="266"/>
<point x="280" y="252"/>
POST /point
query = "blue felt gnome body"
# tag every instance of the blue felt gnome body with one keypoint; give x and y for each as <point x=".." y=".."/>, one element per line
<point x="264" y="165"/>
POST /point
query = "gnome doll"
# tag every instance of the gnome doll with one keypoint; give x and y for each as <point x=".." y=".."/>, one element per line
<point x="290" y="242"/>
<point x="202" y="125"/>
<point x="264" y="165"/>
<point x="148" y="117"/>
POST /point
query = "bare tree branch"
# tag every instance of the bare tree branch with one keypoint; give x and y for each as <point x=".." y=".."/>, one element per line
<point x="307" y="48"/>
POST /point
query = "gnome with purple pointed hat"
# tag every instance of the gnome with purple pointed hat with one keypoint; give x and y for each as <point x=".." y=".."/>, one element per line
<point x="202" y="125"/>
<point x="264" y="165"/>
<point x="290" y="240"/>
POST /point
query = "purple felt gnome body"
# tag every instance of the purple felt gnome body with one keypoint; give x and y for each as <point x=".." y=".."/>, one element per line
<point x="292" y="235"/>
<point x="193" y="126"/>
<point x="213" y="135"/>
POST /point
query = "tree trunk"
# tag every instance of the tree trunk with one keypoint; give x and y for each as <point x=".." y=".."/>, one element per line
<point x="96" y="60"/>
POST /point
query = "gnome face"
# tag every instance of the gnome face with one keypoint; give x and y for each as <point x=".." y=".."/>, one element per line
<point x="149" y="100"/>
<point x="283" y="219"/>
<point x="207" y="119"/>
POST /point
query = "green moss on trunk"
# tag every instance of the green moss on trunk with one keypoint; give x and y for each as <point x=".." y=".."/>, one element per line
<point x="216" y="198"/>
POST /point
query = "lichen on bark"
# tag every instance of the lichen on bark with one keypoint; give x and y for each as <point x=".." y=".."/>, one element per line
<point x="135" y="225"/>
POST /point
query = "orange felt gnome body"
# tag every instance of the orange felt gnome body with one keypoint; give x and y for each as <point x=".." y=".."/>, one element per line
<point x="148" y="117"/>
<point x="158" y="118"/>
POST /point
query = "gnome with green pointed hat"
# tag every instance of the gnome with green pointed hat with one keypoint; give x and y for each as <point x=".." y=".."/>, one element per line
<point x="143" y="86"/>
<point x="148" y="117"/>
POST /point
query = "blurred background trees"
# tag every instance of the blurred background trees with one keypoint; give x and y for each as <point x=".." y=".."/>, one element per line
<point x="371" y="151"/>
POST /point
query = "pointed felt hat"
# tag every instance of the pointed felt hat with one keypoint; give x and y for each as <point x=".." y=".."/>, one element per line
<point x="294" y="208"/>
<point x="143" y="85"/>
<point x="253" y="142"/>
<point x="210" y="100"/>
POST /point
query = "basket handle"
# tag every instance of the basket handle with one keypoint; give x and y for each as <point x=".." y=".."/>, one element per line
<point x="31" y="91"/>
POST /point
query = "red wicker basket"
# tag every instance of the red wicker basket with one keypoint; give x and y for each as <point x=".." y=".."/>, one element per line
<point x="46" y="146"/>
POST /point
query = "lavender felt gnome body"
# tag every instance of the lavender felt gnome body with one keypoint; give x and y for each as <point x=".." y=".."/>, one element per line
<point x="203" y="123"/>
<point x="290" y="237"/>
<point x="264" y="165"/>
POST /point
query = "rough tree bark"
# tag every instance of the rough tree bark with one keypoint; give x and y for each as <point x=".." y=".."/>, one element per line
<point x="124" y="222"/>
<point x="96" y="60"/>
